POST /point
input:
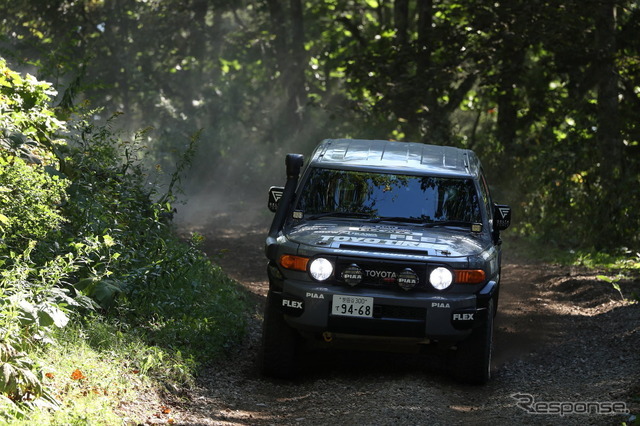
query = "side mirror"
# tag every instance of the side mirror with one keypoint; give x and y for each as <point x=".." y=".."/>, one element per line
<point x="501" y="217"/>
<point x="275" y="193"/>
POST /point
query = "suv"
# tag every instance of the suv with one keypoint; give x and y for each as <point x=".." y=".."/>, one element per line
<point x="383" y="243"/>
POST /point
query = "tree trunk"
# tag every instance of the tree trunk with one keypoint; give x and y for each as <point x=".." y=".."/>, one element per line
<point x="288" y="27"/>
<point x="608" y="134"/>
<point x="511" y="64"/>
<point x="435" y="125"/>
<point x="401" y="21"/>
<point x="296" y="90"/>
<point x="425" y="22"/>
<point x="608" y="126"/>
<point x="279" y="30"/>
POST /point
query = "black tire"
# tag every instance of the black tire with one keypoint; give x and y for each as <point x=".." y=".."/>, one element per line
<point x="280" y="344"/>
<point x="473" y="355"/>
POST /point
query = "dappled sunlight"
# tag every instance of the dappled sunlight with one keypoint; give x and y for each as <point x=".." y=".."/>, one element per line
<point x="124" y="122"/>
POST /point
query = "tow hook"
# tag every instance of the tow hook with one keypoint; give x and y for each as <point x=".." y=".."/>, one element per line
<point x="327" y="336"/>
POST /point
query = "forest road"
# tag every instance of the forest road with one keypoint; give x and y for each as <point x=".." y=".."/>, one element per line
<point x="561" y="336"/>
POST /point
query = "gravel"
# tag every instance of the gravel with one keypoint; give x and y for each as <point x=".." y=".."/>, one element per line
<point x="562" y="336"/>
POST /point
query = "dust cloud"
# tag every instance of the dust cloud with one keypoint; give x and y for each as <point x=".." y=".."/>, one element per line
<point x="229" y="187"/>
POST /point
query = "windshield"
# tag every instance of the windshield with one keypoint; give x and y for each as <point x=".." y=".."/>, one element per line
<point x="378" y="196"/>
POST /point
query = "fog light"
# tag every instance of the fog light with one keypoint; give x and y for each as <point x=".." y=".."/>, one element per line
<point x="441" y="278"/>
<point x="320" y="269"/>
<point x="352" y="275"/>
<point x="408" y="279"/>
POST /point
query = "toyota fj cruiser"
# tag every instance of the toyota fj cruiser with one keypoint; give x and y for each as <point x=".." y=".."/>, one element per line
<point x="381" y="243"/>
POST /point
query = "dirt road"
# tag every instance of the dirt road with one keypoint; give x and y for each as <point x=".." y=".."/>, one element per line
<point x="562" y="336"/>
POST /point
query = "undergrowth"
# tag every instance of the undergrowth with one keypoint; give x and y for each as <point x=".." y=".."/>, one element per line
<point x="99" y="300"/>
<point x="542" y="250"/>
<point x="611" y="267"/>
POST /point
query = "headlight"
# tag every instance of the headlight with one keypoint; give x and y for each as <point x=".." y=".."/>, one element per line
<point x="441" y="278"/>
<point x="320" y="269"/>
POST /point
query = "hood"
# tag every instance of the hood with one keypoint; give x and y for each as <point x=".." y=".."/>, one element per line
<point x="377" y="237"/>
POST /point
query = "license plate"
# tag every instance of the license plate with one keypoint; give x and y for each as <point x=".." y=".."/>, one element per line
<point x="352" y="306"/>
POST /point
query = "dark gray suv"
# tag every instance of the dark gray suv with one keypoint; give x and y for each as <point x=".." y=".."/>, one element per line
<point x="382" y="243"/>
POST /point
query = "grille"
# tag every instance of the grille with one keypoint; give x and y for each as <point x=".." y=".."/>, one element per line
<point x="382" y="275"/>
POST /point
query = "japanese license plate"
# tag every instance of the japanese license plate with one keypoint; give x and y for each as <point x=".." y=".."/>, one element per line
<point x="352" y="306"/>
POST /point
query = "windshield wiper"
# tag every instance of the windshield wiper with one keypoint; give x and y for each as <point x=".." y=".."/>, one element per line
<point x="397" y="219"/>
<point x="338" y="214"/>
<point x="401" y="219"/>
<point x="458" y="223"/>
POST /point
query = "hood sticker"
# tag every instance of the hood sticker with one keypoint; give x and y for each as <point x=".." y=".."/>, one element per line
<point x="395" y="240"/>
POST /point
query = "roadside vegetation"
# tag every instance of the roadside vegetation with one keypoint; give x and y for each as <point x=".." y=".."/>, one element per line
<point x="92" y="275"/>
<point x="100" y="302"/>
<point x="619" y="269"/>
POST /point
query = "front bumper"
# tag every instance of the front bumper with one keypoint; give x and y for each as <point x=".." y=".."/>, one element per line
<point x="308" y="308"/>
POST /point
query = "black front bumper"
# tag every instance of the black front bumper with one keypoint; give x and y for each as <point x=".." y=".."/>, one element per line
<point x="450" y="316"/>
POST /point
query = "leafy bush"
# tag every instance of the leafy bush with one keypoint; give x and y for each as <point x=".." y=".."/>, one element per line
<point x="27" y="122"/>
<point x="33" y="302"/>
<point x="86" y="234"/>
<point x="182" y="308"/>
<point x="28" y="200"/>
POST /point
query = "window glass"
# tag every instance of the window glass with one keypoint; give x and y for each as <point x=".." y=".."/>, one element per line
<point x="431" y="199"/>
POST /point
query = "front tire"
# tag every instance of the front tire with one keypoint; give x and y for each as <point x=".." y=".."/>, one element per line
<point x="473" y="356"/>
<point x="280" y="344"/>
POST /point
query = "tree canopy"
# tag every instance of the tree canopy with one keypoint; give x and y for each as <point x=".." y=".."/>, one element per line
<point x="546" y="91"/>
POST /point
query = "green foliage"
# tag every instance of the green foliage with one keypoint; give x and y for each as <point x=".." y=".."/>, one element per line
<point x="91" y="369"/>
<point x="29" y="204"/>
<point x="614" y="282"/>
<point x="111" y="205"/>
<point x="30" y="194"/>
<point x="33" y="303"/>
<point x="85" y="232"/>
<point x="542" y="249"/>
<point x="550" y="108"/>
<point x="178" y="305"/>
<point x="27" y="124"/>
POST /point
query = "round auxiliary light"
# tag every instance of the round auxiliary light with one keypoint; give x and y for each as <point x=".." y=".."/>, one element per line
<point x="320" y="269"/>
<point x="352" y="275"/>
<point x="441" y="278"/>
<point x="407" y="279"/>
